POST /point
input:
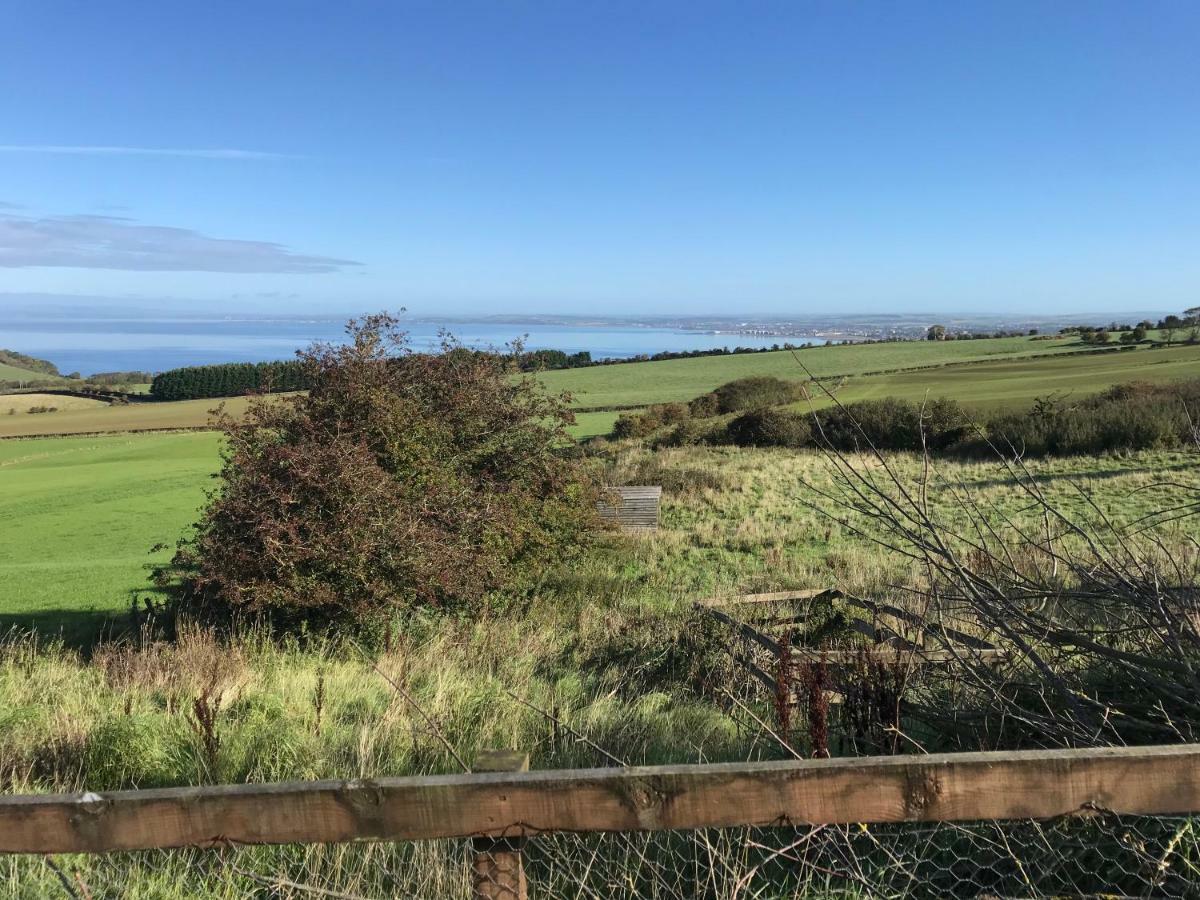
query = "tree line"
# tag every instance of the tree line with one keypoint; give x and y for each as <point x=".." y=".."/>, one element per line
<point x="228" y="380"/>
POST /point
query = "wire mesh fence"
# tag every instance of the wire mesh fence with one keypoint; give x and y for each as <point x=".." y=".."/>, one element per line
<point x="1096" y="855"/>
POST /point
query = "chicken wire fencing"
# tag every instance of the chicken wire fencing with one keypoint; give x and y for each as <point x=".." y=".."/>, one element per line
<point x="1079" y="856"/>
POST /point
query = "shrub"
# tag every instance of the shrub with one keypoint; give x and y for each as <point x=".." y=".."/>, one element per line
<point x="892" y="424"/>
<point x="690" y="433"/>
<point x="633" y="425"/>
<point x="755" y="392"/>
<point x="770" y="428"/>
<point x="887" y="424"/>
<point x="1127" y="417"/>
<point x="946" y="423"/>
<point x="636" y="425"/>
<point x="705" y="406"/>
<point x="400" y="479"/>
<point x="672" y="479"/>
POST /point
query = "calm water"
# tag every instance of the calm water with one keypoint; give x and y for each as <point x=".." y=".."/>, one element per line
<point x="110" y="345"/>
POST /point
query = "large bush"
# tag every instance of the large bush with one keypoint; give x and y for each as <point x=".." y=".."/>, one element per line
<point x="399" y="479"/>
<point x="770" y="428"/>
<point x="636" y="425"/>
<point x="755" y="392"/>
<point x="887" y="424"/>
<point x="892" y="424"/>
<point x="705" y="406"/>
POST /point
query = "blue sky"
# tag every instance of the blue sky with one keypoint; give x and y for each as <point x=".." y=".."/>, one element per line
<point x="587" y="157"/>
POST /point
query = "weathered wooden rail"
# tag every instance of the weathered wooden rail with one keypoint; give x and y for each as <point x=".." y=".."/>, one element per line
<point x="499" y="810"/>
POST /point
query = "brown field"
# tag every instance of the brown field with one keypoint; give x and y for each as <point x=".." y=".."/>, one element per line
<point x="18" y="404"/>
<point x="79" y="416"/>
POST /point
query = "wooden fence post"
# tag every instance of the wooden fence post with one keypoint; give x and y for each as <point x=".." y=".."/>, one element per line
<point x="497" y="870"/>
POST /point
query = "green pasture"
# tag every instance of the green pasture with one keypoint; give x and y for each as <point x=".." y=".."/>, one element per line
<point x="982" y="385"/>
<point x="78" y="517"/>
<point x="639" y="384"/>
<point x="1008" y="383"/>
<point x="12" y="373"/>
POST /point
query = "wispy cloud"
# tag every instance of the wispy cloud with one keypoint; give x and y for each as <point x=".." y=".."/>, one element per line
<point x="102" y="150"/>
<point x="105" y="242"/>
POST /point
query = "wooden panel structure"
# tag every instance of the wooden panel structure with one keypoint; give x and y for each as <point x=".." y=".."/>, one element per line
<point x="635" y="508"/>
<point x="940" y="787"/>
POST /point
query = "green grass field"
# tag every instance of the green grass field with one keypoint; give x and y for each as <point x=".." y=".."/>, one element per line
<point x="22" y="403"/>
<point x="1008" y="383"/>
<point x="981" y="386"/>
<point x="985" y="374"/>
<point x="638" y="384"/>
<point x="78" y="517"/>
<point x="12" y="373"/>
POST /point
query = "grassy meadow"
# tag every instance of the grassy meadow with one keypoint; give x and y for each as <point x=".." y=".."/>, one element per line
<point x="671" y="380"/>
<point x="1011" y="383"/>
<point x="599" y="654"/>
<point x="13" y="373"/>
<point x="79" y="516"/>
<point x="1006" y="382"/>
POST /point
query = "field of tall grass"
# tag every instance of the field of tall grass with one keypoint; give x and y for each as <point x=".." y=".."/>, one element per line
<point x="597" y="640"/>
<point x="594" y="665"/>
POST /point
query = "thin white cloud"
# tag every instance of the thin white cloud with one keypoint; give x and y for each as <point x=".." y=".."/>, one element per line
<point x="105" y="242"/>
<point x="102" y="150"/>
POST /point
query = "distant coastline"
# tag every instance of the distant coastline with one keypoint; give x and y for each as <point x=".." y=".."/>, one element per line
<point x="86" y="340"/>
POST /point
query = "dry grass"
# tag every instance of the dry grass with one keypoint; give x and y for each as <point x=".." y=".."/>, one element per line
<point x="18" y="404"/>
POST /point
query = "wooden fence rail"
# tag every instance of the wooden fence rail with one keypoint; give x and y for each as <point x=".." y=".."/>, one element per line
<point x="1034" y="784"/>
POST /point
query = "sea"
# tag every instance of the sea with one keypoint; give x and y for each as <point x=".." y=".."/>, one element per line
<point x="96" y="345"/>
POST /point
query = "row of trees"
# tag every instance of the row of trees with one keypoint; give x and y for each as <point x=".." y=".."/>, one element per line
<point x="941" y="333"/>
<point x="1172" y="328"/>
<point x="540" y="360"/>
<point x="228" y="380"/>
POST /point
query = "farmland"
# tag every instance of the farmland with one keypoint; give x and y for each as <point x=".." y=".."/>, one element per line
<point x="79" y="515"/>
<point x="636" y="384"/>
<point x="984" y="374"/>
<point x="23" y="403"/>
<point x="1002" y="382"/>
<point x="96" y="416"/>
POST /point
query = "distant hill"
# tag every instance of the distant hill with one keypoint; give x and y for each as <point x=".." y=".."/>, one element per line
<point x="15" y="360"/>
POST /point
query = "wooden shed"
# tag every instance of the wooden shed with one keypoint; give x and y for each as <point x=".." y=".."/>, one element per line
<point x="633" y="507"/>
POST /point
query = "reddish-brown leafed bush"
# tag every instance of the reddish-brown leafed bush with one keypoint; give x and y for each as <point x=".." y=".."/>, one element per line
<point x="400" y="479"/>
